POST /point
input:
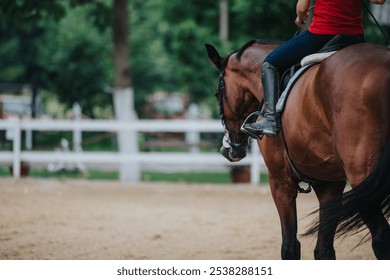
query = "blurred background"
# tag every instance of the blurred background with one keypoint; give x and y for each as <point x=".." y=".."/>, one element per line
<point x="67" y="59"/>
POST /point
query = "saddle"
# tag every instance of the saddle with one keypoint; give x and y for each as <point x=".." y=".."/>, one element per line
<point x="290" y="77"/>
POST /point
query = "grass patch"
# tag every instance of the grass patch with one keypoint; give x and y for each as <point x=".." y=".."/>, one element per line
<point x="44" y="173"/>
<point x="187" y="177"/>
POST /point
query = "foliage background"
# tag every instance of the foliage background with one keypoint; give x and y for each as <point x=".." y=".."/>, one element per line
<point x="64" y="47"/>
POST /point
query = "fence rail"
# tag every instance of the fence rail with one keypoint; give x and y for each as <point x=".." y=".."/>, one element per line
<point x="17" y="155"/>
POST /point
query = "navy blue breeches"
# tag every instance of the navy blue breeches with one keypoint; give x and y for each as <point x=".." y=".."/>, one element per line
<point x="292" y="51"/>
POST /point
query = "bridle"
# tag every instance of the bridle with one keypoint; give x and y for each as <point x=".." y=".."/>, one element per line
<point x="222" y="98"/>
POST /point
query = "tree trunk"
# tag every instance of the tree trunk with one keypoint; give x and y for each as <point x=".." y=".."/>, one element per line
<point x="224" y="20"/>
<point x="121" y="45"/>
<point x="123" y="91"/>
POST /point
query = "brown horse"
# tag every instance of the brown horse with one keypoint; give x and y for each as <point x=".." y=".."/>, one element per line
<point x="335" y="128"/>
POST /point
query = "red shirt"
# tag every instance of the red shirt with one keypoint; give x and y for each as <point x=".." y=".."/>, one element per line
<point x="334" y="17"/>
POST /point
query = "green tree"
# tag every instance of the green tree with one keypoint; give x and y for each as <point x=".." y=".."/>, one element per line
<point x="262" y="19"/>
<point x="66" y="46"/>
<point x="72" y="65"/>
<point x="192" y="23"/>
<point x="22" y="30"/>
<point x="152" y="67"/>
<point x="78" y="60"/>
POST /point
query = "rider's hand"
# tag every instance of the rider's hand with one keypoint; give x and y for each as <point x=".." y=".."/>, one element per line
<point x="302" y="12"/>
<point x="301" y="21"/>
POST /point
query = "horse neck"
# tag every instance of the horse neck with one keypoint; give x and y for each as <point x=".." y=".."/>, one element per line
<point x="257" y="88"/>
<point x="250" y="67"/>
<point x="245" y="75"/>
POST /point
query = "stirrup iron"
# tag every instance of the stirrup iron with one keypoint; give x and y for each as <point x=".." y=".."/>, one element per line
<point x="249" y="119"/>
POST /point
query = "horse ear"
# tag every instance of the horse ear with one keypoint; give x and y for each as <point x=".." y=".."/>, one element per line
<point x="214" y="56"/>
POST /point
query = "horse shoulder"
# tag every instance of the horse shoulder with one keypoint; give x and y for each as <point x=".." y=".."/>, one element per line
<point x="307" y="127"/>
<point x="305" y="105"/>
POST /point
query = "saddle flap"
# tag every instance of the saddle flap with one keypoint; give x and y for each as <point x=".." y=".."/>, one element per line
<point x="283" y="98"/>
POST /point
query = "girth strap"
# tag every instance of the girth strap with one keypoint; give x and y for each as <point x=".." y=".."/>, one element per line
<point x="298" y="174"/>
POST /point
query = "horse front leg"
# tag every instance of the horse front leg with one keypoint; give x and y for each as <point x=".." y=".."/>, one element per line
<point x="324" y="249"/>
<point x="284" y="195"/>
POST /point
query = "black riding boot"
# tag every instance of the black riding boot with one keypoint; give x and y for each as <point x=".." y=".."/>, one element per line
<point x="269" y="124"/>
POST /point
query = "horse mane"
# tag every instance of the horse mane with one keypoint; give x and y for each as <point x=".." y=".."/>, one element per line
<point x="241" y="50"/>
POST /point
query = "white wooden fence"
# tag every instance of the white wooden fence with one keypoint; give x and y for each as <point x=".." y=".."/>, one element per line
<point x="17" y="155"/>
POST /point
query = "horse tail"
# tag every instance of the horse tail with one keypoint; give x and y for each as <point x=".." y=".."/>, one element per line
<point x="371" y="195"/>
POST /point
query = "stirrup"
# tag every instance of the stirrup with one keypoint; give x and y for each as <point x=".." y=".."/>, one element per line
<point x="269" y="131"/>
<point x="249" y="120"/>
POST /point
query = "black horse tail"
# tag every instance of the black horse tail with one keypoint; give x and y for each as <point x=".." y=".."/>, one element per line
<point x="367" y="198"/>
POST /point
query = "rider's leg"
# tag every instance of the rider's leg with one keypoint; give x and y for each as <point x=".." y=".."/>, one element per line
<point x="278" y="61"/>
<point x="269" y="124"/>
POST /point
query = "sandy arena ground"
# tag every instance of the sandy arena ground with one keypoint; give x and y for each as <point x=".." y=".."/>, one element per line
<point x="77" y="219"/>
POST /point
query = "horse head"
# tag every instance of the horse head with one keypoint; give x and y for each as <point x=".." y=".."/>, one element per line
<point x="237" y="100"/>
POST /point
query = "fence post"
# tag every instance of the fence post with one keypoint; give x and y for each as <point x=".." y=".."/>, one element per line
<point x="127" y="140"/>
<point x="193" y="137"/>
<point x="29" y="139"/>
<point x="16" y="148"/>
<point x="77" y="135"/>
